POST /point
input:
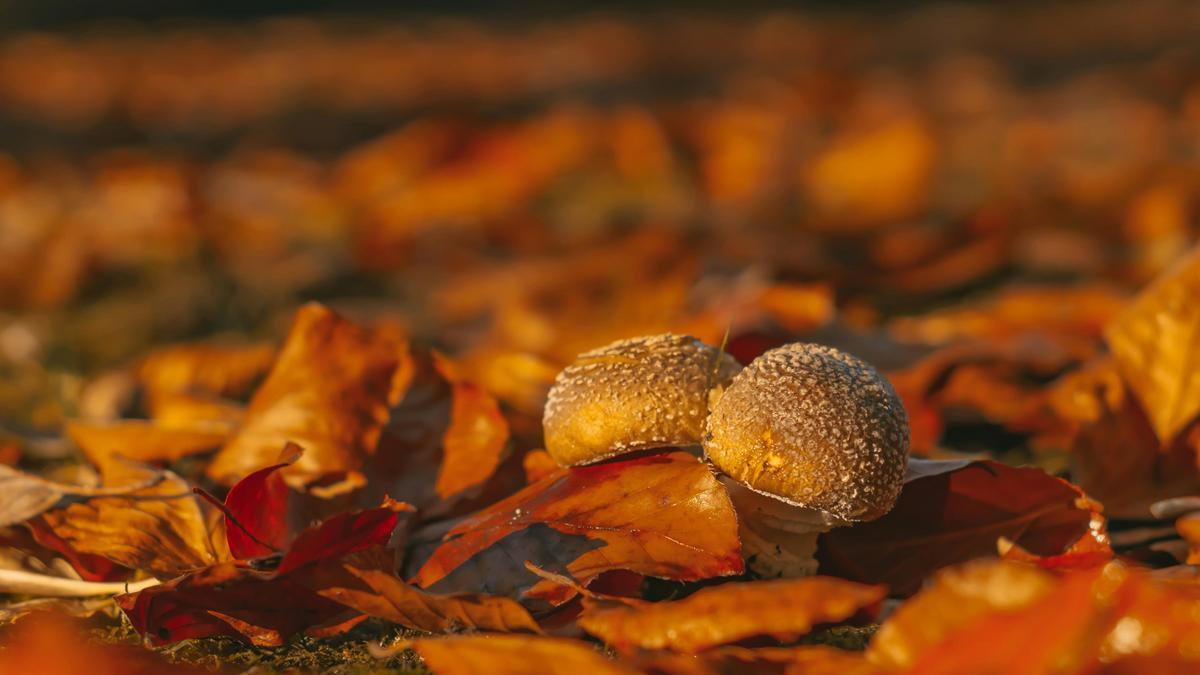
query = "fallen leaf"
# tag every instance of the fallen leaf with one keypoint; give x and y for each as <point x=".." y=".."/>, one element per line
<point x="144" y="440"/>
<point x="950" y="512"/>
<point x="50" y="644"/>
<point x="442" y="442"/>
<point x="27" y="496"/>
<point x="662" y="515"/>
<point x="1156" y="342"/>
<point x="993" y="616"/>
<point x="160" y="529"/>
<point x="392" y="599"/>
<point x="269" y="605"/>
<point x="729" y="613"/>
<point x="217" y="368"/>
<point x="329" y="391"/>
<point x="807" y="660"/>
<point x="514" y="655"/>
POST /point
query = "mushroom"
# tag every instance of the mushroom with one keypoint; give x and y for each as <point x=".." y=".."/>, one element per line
<point x="635" y="394"/>
<point x="808" y="438"/>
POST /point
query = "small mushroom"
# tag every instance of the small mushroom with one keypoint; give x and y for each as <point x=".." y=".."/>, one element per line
<point x="635" y="394"/>
<point x="809" y="438"/>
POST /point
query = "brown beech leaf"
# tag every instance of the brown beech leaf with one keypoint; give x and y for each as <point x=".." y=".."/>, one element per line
<point x="389" y="597"/>
<point x="807" y="660"/>
<point x="661" y="515"/>
<point x="994" y="616"/>
<point x="953" y="511"/>
<point x="514" y="655"/>
<point x="725" y="614"/>
<point x="160" y="528"/>
<point x="1156" y="342"/>
<point x="442" y="442"/>
<point x="144" y="440"/>
<point x="329" y="391"/>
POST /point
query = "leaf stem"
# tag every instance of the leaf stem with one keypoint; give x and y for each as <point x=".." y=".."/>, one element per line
<point x="232" y="518"/>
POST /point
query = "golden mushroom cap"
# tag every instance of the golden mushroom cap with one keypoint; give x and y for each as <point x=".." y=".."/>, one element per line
<point x="635" y="394"/>
<point x="814" y="427"/>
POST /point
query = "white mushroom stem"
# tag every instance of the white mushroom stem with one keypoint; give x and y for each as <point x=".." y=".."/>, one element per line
<point x="41" y="585"/>
<point x="779" y="540"/>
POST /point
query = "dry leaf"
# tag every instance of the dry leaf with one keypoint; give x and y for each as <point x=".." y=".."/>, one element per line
<point x="26" y="495"/>
<point x="662" y="515"/>
<point x="950" y="512"/>
<point x="729" y="613"/>
<point x="515" y="655"/>
<point x="50" y="644"/>
<point x="814" y="660"/>
<point x="329" y="391"/>
<point x="220" y="369"/>
<point x="144" y="440"/>
<point x="161" y="529"/>
<point x="1156" y="342"/>
<point x="389" y="597"/>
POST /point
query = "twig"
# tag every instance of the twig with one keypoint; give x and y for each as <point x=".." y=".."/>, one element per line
<point x="30" y="583"/>
<point x="220" y="506"/>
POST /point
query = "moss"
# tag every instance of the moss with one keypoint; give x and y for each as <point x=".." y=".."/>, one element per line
<point x="851" y="638"/>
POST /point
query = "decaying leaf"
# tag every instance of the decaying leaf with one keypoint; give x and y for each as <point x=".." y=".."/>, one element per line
<point x="215" y="368"/>
<point x="389" y="597"/>
<point x="1156" y="341"/>
<point x="26" y="495"/>
<point x="726" y="614"/>
<point x="950" y="512"/>
<point x="662" y="515"/>
<point x="329" y="391"/>
<point x="515" y="655"/>
<point x="807" y="660"/>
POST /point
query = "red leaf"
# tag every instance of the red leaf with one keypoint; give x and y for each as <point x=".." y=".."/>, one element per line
<point x="950" y="512"/>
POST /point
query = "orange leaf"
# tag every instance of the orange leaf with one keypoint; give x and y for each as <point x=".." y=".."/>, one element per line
<point x="329" y="391"/>
<point x="50" y="644"/>
<point x="143" y="440"/>
<point x="1157" y="344"/>
<point x="515" y="655"/>
<point x="662" y="515"/>
<point x="783" y="609"/>
<point x="807" y="660"/>
<point x="214" y="368"/>
<point x="392" y="599"/>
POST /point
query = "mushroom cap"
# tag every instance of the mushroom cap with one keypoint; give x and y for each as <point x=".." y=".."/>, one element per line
<point x="635" y="394"/>
<point x="814" y="427"/>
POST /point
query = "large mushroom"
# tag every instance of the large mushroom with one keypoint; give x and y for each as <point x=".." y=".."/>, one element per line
<point x="636" y="394"/>
<point x="809" y="438"/>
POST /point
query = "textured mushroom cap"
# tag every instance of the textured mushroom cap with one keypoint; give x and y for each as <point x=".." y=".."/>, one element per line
<point x="815" y="427"/>
<point x="644" y="392"/>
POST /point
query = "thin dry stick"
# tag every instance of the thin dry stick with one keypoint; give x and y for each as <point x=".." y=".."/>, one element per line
<point x="40" y="585"/>
<point x="232" y="518"/>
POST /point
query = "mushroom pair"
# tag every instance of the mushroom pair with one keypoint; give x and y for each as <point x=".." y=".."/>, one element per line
<point x="806" y="437"/>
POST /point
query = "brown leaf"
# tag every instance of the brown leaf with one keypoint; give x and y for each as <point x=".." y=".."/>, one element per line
<point x="955" y="515"/>
<point x="1157" y="344"/>
<point x="514" y="655"/>
<point x="391" y="598"/>
<point x="1115" y="455"/>
<point x="661" y="515"/>
<point x="783" y="609"/>
<point x="329" y="391"/>
<point x="442" y="441"/>
<point x="160" y="528"/>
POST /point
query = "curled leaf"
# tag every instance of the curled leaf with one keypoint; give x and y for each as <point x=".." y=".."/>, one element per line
<point x="514" y="655"/>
